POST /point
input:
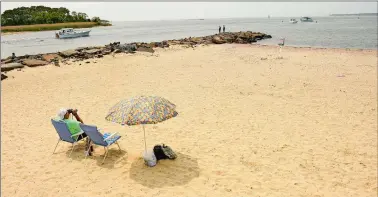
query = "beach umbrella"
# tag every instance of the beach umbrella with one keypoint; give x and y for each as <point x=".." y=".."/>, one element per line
<point x="142" y="110"/>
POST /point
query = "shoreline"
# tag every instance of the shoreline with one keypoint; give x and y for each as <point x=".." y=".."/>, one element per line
<point x="268" y="45"/>
<point x="94" y="59"/>
<point x="261" y="44"/>
<point x="320" y="48"/>
<point x="47" y="27"/>
<point x="83" y="53"/>
<point x="241" y="39"/>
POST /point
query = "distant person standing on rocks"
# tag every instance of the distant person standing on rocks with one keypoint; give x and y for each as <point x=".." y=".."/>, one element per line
<point x="224" y="28"/>
<point x="220" y="29"/>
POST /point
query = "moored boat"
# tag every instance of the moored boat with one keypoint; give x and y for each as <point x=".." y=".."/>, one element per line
<point x="71" y="33"/>
<point x="293" y="20"/>
<point x="306" y="19"/>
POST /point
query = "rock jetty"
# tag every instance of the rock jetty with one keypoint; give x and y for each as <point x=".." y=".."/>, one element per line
<point x="83" y="53"/>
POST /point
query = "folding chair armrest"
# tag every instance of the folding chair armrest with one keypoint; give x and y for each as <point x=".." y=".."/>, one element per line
<point x="77" y="134"/>
<point x="110" y="136"/>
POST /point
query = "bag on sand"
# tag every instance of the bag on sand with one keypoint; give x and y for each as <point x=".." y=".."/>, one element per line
<point x="164" y="152"/>
<point x="159" y="153"/>
<point x="149" y="158"/>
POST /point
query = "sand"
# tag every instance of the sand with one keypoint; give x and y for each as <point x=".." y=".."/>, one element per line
<point x="249" y="124"/>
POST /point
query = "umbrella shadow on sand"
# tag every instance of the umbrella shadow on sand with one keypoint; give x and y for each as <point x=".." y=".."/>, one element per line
<point x="166" y="172"/>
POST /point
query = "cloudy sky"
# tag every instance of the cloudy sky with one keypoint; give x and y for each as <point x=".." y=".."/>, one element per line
<point x="136" y="11"/>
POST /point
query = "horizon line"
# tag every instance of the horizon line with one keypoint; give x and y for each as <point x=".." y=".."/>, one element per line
<point x="257" y="17"/>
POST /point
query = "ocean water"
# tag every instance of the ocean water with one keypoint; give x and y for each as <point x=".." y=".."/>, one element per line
<point x="327" y="32"/>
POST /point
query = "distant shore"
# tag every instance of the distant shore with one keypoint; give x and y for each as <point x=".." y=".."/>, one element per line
<point x="359" y="14"/>
<point x="6" y="30"/>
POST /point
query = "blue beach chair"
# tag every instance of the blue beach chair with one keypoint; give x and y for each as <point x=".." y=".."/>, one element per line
<point x="65" y="135"/>
<point x="97" y="138"/>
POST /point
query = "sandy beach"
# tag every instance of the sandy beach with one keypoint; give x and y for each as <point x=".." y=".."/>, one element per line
<point x="249" y="124"/>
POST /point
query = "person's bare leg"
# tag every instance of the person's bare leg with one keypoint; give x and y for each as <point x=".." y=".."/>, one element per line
<point x="88" y="141"/>
<point x="88" y="146"/>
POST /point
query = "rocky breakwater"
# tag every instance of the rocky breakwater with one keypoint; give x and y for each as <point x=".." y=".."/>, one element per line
<point x="83" y="53"/>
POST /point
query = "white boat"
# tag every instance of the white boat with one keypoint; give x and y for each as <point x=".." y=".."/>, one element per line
<point x="71" y="33"/>
<point x="306" y="19"/>
<point x="293" y="20"/>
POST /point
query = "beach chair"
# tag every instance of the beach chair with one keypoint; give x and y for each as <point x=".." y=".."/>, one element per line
<point x="65" y="135"/>
<point x="105" y="140"/>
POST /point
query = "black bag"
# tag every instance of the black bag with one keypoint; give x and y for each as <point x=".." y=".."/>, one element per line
<point x="169" y="152"/>
<point x="159" y="153"/>
<point x="164" y="152"/>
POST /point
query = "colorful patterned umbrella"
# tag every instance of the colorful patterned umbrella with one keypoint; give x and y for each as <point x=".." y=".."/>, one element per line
<point x="142" y="110"/>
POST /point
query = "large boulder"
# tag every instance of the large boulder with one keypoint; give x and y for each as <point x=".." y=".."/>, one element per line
<point x="128" y="47"/>
<point x="6" y="61"/>
<point x="240" y="41"/>
<point x="3" y="76"/>
<point x="51" y="57"/>
<point x="195" y="40"/>
<point x="68" y="53"/>
<point x="106" y="52"/>
<point x="218" y="40"/>
<point x="93" y="51"/>
<point x="173" y="42"/>
<point x="267" y="36"/>
<point x="228" y="37"/>
<point x="11" y="66"/>
<point x="162" y="44"/>
<point x="165" y="43"/>
<point x="145" y="49"/>
<point x="245" y="35"/>
<point x="81" y="48"/>
<point x="34" y="63"/>
<point x="258" y="37"/>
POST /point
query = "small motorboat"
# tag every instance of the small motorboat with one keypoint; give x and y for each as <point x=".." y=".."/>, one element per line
<point x="306" y="19"/>
<point x="71" y="33"/>
<point x="293" y="20"/>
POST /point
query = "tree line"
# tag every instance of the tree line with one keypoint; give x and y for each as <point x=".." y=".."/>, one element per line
<point x="43" y="15"/>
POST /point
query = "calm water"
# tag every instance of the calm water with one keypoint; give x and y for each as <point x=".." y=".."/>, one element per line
<point x="332" y="32"/>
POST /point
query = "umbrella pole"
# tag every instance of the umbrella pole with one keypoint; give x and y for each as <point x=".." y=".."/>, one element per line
<point x="145" y="143"/>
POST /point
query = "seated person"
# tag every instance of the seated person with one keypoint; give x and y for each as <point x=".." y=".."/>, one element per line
<point x="74" y="125"/>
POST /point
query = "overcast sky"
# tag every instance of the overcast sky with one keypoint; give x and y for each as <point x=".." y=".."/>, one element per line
<point x="136" y="11"/>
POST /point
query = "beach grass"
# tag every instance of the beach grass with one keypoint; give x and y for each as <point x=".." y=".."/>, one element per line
<point x="48" y="27"/>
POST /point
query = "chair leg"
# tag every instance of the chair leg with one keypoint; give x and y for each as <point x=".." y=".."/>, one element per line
<point x="73" y="147"/>
<point x="106" y="154"/>
<point x="118" y="146"/>
<point x="56" y="146"/>
<point x="87" y="151"/>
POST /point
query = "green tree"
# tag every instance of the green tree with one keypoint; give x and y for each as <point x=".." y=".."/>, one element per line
<point x="96" y="19"/>
<point x="42" y="15"/>
<point x="82" y="16"/>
